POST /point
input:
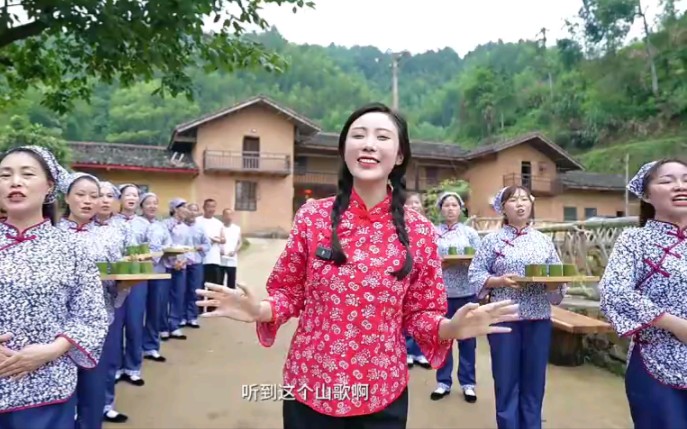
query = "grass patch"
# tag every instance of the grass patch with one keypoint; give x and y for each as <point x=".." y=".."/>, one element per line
<point x="612" y="159"/>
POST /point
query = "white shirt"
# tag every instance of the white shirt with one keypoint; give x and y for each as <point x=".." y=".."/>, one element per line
<point x="232" y="234"/>
<point x="213" y="229"/>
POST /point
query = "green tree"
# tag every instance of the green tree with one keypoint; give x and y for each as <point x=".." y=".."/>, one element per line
<point x="66" y="44"/>
<point x="20" y="132"/>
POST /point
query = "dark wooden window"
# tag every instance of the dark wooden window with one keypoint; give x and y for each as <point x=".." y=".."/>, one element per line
<point x="300" y="164"/>
<point x="246" y="196"/>
<point x="589" y="212"/>
<point x="143" y="188"/>
<point x="570" y="214"/>
<point x="432" y="176"/>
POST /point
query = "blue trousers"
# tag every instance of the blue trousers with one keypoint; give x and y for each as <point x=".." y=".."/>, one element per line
<point x="194" y="280"/>
<point x="411" y="346"/>
<point x="115" y="361"/>
<point x="177" y="295"/>
<point x="652" y="404"/>
<point x="55" y="416"/>
<point x="466" y="352"/>
<point x="156" y="308"/>
<point x="135" y="307"/>
<point x="518" y="365"/>
<point x="95" y="387"/>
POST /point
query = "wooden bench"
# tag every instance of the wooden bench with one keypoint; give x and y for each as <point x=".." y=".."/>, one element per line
<point x="569" y="328"/>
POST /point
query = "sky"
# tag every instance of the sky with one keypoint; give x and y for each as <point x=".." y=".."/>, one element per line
<point x="419" y="26"/>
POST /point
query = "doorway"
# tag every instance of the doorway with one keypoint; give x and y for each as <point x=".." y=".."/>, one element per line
<point x="526" y="174"/>
<point x="251" y="153"/>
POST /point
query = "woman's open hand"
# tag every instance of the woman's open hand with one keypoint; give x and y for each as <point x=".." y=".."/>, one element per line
<point x="473" y="320"/>
<point x="238" y="304"/>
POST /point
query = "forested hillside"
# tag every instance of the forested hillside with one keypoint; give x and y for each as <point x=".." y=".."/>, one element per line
<point x="586" y="92"/>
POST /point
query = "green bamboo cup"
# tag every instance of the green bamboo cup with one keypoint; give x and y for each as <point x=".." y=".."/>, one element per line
<point x="555" y="270"/>
<point x="469" y="250"/>
<point x="570" y="270"/>
<point x="147" y="267"/>
<point x="535" y="270"/>
<point x="103" y="267"/>
<point x="134" y="268"/>
<point x="122" y="267"/>
<point x="452" y="250"/>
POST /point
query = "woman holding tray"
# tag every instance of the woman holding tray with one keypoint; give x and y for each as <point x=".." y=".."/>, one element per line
<point x="415" y="356"/>
<point x="52" y="314"/>
<point x="644" y="296"/>
<point x="519" y="359"/>
<point x="132" y="313"/>
<point x="157" y="298"/>
<point x="180" y="233"/>
<point x="454" y="234"/>
<point x="105" y="243"/>
<point x="358" y="270"/>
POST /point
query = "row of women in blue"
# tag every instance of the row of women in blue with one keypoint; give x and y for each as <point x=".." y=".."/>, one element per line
<point x="45" y="390"/>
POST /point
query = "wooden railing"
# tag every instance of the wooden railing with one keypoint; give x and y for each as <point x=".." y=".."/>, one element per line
<point x="538" y="185"/>
<point x="247" y="162"/>
<point x="310" y="177"/>
<point x="485" y="225"/>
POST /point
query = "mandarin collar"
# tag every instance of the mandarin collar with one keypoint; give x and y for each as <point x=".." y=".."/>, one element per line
<point x="73" y="226"/>
<point x="30" y="233"/>
<point x="511" y="230"/>
<point x="666" y="228"/>
<point x="359" y="209"/>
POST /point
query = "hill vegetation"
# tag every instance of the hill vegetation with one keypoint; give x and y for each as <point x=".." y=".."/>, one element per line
<point x="587" y="91"/>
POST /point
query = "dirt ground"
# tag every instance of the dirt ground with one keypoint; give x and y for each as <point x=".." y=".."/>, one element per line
<point x="200" y="385"/>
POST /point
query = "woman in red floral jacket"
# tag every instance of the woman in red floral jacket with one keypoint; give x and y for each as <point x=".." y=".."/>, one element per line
<point x="358" y="270"/>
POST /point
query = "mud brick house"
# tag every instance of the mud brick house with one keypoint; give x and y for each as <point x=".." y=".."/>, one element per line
<point x="263" y="160"/>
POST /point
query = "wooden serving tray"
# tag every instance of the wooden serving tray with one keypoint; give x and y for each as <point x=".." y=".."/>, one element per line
<point x="174" y="251"/>
<point x="557" y="280"/>
<point x="143" y="257"/>
<point x="458" y="257"/>
<point x="141" y="277"/>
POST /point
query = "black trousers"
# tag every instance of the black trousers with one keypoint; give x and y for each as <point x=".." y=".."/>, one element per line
<point x="229" y="274"/>
<point x="300" y="416"/>
<point x="212" y="273"/>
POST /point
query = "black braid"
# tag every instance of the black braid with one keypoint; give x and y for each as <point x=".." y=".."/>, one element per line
<point x="398" y="198"/>
<point x="343" y="198"/>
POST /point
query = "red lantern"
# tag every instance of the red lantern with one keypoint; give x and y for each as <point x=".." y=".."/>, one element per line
<point x="308" y="192"/>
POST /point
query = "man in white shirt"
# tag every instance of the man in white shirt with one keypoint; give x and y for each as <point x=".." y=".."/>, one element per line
<point x="230" y="248"/>
<point x="214" y="230"/>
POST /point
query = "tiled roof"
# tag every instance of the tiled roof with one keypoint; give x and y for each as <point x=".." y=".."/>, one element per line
<point x="536" y="139"/>
<point x="420" y="149"/>
<point x="129" y="155"/>
<point x="586" y="179"/>
<point x="306" y="125"/>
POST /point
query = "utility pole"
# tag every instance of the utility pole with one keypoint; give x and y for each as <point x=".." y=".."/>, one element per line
<point x="395" y="59"/>
<point x="394" y="81"/>
<point x="627" y="180"/>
